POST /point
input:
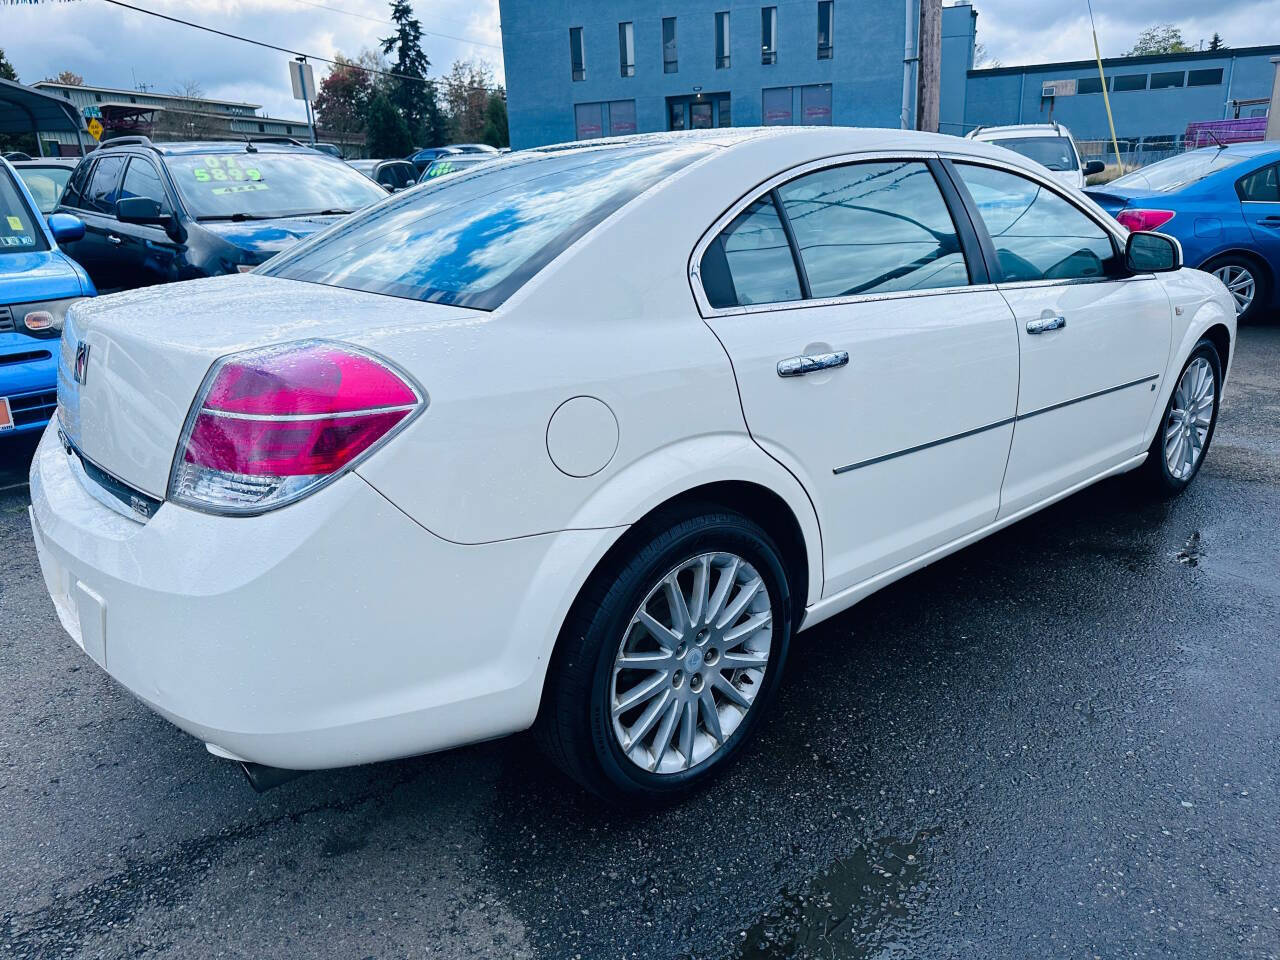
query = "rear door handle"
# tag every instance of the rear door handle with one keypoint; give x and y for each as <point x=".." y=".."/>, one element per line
<point x="112" y="238"/>
<point x="799" y="366"/>
<point x="1270" y="221"/>
<point x="1045" y="324"/>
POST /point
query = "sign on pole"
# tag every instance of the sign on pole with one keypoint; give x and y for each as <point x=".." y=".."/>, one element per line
<point x="303" y="79"/>
<point x="95" y="128"/>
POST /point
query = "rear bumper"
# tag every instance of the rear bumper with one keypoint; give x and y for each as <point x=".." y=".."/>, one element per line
<point x="332" y="632"/>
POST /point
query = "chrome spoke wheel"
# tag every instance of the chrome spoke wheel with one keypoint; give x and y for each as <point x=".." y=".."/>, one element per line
<point x="1241" y="282"/>
<point x="1186" y="428"/>
<point x="691" y="663"/>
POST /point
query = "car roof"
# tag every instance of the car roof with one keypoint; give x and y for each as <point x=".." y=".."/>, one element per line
<point x="1023" y="130"/>
<point x="68" y="162"/>
<point x="189" y="147"/>
<point x="1255" y="148"/>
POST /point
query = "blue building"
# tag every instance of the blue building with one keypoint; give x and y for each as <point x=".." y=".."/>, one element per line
<point x="578" y="69"/>
<point x="1153" y="98"/>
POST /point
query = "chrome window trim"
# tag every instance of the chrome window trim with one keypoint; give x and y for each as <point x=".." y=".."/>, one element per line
<point x="761" y="189"/>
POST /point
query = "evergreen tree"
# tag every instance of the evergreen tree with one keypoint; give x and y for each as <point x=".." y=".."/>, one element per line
<point x="411" y="93"/>
<point x="6" y="68"/>
<point x="495" y="122"/>
<point x="386" y="132"/>
<point x="1217" y="43"/>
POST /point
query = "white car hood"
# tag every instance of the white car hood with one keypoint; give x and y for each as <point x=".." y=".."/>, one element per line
<point x="149" y="351"/>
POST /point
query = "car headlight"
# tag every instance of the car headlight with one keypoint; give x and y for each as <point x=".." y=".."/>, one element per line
<point x="43" y="318"/>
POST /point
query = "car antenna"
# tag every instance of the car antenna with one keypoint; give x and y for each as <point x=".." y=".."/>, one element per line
<point x="248" y="145"/>
<point x="1214" y="137"/>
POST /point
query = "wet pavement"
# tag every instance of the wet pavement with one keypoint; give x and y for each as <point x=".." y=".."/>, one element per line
<point x="1062" y="742"/>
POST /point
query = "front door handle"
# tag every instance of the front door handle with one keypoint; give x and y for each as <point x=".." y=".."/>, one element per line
<point x="1045" y="324"/>
<point x="1270" y="221"/>
<point x="799" y="366"/>
<point x="112" y="238"/>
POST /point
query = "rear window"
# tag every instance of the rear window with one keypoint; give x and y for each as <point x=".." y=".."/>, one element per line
<point x="1056" y="153"/>
<point x="19" y="229"/>
<point x="473" y="240"/>
<point x="1178" y="172"/>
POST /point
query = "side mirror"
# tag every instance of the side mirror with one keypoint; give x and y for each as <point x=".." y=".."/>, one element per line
<point x="65" y="228"/>
<point x="141" y="210"/>
<point x="1094" y="167"/>
<point x="1152" y="253"/>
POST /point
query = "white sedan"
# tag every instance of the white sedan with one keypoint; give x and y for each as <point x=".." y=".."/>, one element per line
<point x="580" y="438"/>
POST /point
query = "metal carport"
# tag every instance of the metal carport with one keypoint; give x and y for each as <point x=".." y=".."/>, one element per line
<point x="26" y="110"/>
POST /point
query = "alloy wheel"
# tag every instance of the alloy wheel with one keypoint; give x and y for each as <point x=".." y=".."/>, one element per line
<point x="691" y="663"/>
<point x="1186" y="428"/>
<point x="1240" y="281"/>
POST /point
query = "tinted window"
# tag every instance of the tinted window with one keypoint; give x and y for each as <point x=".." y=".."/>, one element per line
<point x="1037" y="234"/>
<point x="1162" y="81"/>
<point x="45" y="184"/>
<point x="474" y="240"/>
<point x="1056" y="153"/>
<point x="873" y="228"/>
<point x="670" y="63"/>
<point x="267" y="185"/>
<point x="143" y="180"/>
<point x="1204" y="78"/>
<point x="19" y="230"/>
<point x="577" y="54"/>
<point x="76" y="185"/>
<point x="1262" y="186"/>
<point x="1089" y="85"/>
<point x="102" y="188"/>
<point x="751" y="260"/>
<point x="1130" y="81"/>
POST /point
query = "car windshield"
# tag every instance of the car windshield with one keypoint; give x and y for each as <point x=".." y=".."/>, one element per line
<point x="262" y="185"/>
<point x="45" y="184"/>
<point x="1178" y="172"/>
<point x="453" y="164"/>
<point x="1056" y="153"/>
<point x="19" y="230"/>
<point x="474" y="240"/>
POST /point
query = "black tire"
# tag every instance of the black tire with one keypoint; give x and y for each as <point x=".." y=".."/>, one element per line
<point x="1262" y="280"/>
<point x="1159" y="479"/>
<point x="574" y="726"/>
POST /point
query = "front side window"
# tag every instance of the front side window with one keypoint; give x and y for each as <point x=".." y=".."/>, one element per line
<point x="871" y="228"/>
<point x="19" y="229"/>
<point x="577" y="54"/>
<point x="263" y="186"/>
<point x="474" y="240"/>
<point x="826" y="23"/>
<point x="143" y="180"/>
<point x="627" y="49"/>
<point x="1038" y="235"/>
<point x="670" y="62"/>
<point x="751" y="260"/>
<point x="1056" y="153"/>
<point x="1261" y="186"/>
<point x="101" y="196"/>
<point x="768" y="35"/>
<point x="722" y="41"/>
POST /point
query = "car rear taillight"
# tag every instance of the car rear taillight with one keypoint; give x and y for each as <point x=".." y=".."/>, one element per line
<point x="271" y="426"/>
<point x="1144" y="219"/>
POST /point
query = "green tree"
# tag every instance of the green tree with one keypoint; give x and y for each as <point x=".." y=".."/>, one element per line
<point x="495" y="121"/>
<point x="1217" y="42"/>
<point x="1159" y="39"/>
<point x="412" y="93"/>
<point x="386" y="132"/>
<point x="465" y="91"/>
<point x="6" y="68"/>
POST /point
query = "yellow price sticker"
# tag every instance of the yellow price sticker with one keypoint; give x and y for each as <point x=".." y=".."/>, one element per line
<point x="14" y="223"/>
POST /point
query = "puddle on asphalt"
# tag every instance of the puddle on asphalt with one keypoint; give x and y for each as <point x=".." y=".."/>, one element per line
<point x="864" y="905"/>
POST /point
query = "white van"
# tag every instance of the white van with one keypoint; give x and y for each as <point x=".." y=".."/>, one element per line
<point x="1048" y="144"/>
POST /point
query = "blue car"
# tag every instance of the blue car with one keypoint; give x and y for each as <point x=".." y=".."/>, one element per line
<point x="1223" y="204"/>
<point x="37" y="284"/>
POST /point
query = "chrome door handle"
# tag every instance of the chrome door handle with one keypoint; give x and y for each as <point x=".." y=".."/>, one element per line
<point x="112" y="238"/>
<point x="799" y="366"/>
<point x="1045" y="324"/>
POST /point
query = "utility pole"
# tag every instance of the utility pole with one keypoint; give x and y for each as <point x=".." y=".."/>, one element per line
<point x="929" y="88"/>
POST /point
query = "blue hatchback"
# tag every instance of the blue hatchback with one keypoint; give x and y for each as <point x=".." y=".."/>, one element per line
<point x="37" y="284"/>
<point x="1223" y="204"/>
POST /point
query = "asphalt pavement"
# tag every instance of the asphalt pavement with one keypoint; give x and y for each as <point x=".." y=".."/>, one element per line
<point x="1061" y="742"/>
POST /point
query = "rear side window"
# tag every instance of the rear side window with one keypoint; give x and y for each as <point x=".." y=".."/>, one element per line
<point x="1038" y="235"/>
<point x="751" y="260"/>
<point x="474" y="239"/>
<point x="873" y="228"/>
<point x="1261" y="186"/>
<point x="75" y="186"/>
<point x="102" y="188"/>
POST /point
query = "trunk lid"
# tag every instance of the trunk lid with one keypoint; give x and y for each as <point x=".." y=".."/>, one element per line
<point x="148" y="352"/>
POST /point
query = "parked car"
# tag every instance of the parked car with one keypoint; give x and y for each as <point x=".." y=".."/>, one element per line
<point x="1048" y="144"/>
<point x="157" y="212"/>
<point x="392" y="174"/>
<point x="423" y="158"/>
<point x="454" y="163"/>
<point x="38" y="282"/>
<point x="46" y="178"/>
<point x="332" y="149"/>
<point x="579" y="440"/>
<point x="1223" y="205"/>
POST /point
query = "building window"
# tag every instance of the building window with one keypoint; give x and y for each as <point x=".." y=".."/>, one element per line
<point x="768" y="35"/>
<point x="1089" y="85"/>
<point x="1163" y="81"/>
<point x="724" y="117"/>
<point x="1129" y="81"/>
<point x="775" y="105"/>
<point x="722" y="40"/>
<point x="622" y="117"/>
<point x="1204" y="78"/>
<point x="97" y="97"/>
<point x="577" y="54"/>
<point x="262" y="128"/>
<point x="288" y="130"/>
<point x="588" y="120"/>
<point x="815" y="105"/>
<point x="591" y="120"/>
<point x="627" y="49"/>
<point x="669" y="62"/>
<point x="826" y="22"/>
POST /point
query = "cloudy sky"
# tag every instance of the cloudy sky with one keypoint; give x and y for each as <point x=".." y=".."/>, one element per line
<point x="111" y="46"/>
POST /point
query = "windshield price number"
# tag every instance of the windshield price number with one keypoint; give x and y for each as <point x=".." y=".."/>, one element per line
<point x="224" y="168"/>
<point x="238" y="188"/>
